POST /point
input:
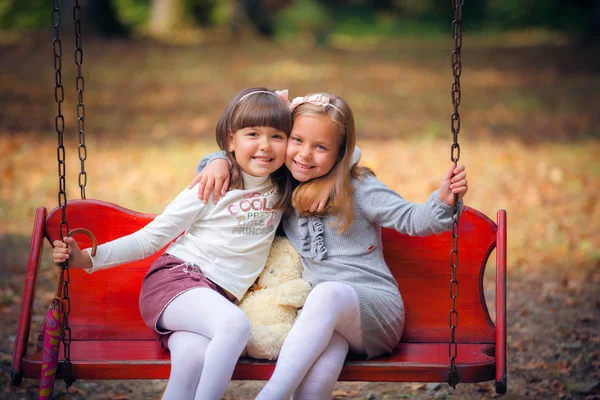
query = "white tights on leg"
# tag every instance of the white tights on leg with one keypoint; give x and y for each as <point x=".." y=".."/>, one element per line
<point x="320" y="380"/>
<point x="205" y="312"/>
<point x="312" y="344"/>
<point x="187" y="360"/>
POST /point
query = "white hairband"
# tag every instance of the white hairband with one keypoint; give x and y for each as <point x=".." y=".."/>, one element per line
<point x="263" y="91"/>
<point x="316" y="99"/>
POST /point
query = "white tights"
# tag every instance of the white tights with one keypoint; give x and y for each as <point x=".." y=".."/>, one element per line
<point x="210" y="334"/>
<point x="314" y="351"/>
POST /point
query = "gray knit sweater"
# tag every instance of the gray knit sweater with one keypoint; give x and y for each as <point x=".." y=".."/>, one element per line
<point x="356" y="256"/>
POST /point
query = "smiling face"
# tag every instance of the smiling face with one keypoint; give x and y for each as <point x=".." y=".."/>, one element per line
<point x="259" y="150"/>
<point x="313" y="147"/>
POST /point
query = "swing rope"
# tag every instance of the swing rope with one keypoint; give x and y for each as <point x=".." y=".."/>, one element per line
<point x="455" y="156"/>
<point x="62" y="299"/>
<point x="80" y="108"/>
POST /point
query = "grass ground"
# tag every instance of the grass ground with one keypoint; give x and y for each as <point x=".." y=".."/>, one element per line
<point x="530" y="138"/>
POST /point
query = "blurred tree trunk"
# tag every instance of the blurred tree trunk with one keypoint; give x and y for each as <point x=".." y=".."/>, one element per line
<point x="594" y="16"/>
<point x="105" y="19"/>
<point x="166" y="15"/>
<point x="260" y="14"/>
<point x="97" y="17"/>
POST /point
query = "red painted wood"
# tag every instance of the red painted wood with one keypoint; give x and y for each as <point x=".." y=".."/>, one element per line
<point x="133" y="359"/>
<point x="35" y="253"/>
<point x="105" y="304"/>
<point x="501" y="377"/>
<point x="421" y="266"/>
<point x="110" y="340"/>
<point x="146" y="360"/>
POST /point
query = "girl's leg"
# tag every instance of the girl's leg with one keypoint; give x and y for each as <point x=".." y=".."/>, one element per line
<point x="187" y="359"/>
<point x="320" y="380"/>
<point x="330" y="306"/>
<point x="207" y="313"/>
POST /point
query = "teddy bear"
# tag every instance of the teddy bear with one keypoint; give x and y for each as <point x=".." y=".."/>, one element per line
<point x="272" y="303"/>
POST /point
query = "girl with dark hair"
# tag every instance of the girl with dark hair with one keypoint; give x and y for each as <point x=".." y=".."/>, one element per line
<point x="187" y="297"/>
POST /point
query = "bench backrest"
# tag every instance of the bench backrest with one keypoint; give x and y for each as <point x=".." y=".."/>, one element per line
<point x="104" y="305"/>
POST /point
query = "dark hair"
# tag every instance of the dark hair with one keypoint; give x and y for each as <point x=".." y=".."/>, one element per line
<point x="257" y="106"/>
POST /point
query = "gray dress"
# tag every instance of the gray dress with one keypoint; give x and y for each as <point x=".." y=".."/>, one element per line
<point x="356" y="256"/>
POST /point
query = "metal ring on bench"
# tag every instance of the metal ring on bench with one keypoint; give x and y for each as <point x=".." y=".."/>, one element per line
<point x="88" y="233"/>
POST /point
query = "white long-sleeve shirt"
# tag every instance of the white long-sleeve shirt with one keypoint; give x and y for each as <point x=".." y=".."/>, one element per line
<point x="229" y="241"/>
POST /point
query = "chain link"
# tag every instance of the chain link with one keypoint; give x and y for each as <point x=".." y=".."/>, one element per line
<point x="455" y="156"/>
<point x="80" y="108"/>
<point x="59" y="124"/>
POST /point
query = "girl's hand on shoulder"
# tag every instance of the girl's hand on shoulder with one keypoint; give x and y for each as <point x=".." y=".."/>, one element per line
<point x="454" y="182"/>
<point x="319" y="203"/>
<point x="69" y="250"/>
<point x="215" y="176"/>
<point x="321" y="198"/>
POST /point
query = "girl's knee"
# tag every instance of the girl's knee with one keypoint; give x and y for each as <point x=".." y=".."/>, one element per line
<point x="339" y="342"/>
<point x="187" y="349"/>
<point x="193" y="360"/>
<point x="236" y="324"/>
<point x="327" y="292"/>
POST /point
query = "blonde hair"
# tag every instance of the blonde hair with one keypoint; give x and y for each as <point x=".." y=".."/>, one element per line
<point x="257" y="106"/>
<point x="341" y="199"/>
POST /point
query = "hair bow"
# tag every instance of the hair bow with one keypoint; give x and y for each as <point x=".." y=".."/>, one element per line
<point x="283" y="94"/>
<point x="316" y="99"/>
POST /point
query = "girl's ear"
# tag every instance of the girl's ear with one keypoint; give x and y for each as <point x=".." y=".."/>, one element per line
<point x="230" y="141"/>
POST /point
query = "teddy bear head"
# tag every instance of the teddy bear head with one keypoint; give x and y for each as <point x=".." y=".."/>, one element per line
<point x="283" y="264"/>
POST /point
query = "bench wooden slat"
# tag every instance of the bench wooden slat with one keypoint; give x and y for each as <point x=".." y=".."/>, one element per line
<point x="145" y="359"/>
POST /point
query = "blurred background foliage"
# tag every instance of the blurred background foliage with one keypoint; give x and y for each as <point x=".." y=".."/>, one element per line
<point x="321" y="18"/>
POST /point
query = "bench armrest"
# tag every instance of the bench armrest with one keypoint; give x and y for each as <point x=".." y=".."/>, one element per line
<point x="501" y="379"/>
<point x="22" y="336"/>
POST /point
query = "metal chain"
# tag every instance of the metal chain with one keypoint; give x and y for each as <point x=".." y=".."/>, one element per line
<point x="455" y="156"/>
<point x="80" y="108"/>
<point x="59" y="124"/>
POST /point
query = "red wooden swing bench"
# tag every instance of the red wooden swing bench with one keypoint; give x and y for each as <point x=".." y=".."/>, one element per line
<point x="110" y="341"/>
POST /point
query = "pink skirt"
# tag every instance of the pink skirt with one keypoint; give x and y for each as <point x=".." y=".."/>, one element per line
<point x="167" y="278"/>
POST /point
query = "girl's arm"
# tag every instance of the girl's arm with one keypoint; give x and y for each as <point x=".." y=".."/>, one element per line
<point x="356" y="155"/>
<point x="385" y="207"/>
<point x="215" y="175"/>
<point x="175" y="219"/>
<point x="212" y="175"/>
<point x="454" y="182"/>
<point x="69" y="250"/>
<point x="203" y="163"/>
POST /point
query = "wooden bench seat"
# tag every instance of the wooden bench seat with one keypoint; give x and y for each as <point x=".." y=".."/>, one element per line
<point x="110" y="341"/>
<point x="145" y="359"/>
